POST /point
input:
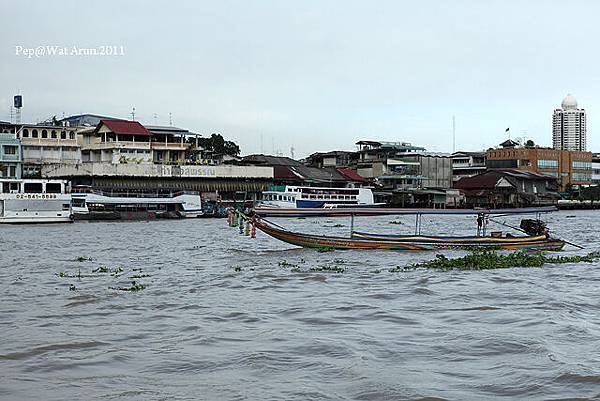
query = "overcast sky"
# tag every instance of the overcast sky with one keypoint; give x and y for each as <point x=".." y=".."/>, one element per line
<point x="315" y="75"/>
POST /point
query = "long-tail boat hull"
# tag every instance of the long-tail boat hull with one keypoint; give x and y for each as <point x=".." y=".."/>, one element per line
<point x="409" y="243"/>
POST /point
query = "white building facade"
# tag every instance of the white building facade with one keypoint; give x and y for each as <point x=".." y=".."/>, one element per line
<point x="569" y="126"/>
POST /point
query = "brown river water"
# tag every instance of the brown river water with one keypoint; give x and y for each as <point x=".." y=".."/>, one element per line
<point x="226" y="317"/>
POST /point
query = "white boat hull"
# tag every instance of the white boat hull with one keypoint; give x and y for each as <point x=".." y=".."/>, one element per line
<point x="35" y="219"/>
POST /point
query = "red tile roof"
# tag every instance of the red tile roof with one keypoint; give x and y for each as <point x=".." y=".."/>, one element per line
<point x="124" y="127"/>
<point x="351" y="175"/>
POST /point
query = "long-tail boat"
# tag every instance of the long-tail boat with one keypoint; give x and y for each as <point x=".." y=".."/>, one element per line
<point x="536" y="238"/>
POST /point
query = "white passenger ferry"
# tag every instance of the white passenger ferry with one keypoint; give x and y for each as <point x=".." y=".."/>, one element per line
<point x="34" y="201"/>
<point x="91" y="204"/>
<point x="290" y="197"/>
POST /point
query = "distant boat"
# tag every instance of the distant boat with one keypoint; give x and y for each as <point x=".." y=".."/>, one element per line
<point x="537" y="237"/>
<point x="34" y="201"/>
<point x="299" y="197"/>
<point x="89" y="204"/>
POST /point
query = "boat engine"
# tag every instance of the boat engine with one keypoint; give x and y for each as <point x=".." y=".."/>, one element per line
<point x="534" y="227"/>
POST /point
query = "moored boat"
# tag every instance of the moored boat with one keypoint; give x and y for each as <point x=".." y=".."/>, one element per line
<point x="298" y="197"/>
<point x="90" y="204"/>
<point x="34" y="201"/>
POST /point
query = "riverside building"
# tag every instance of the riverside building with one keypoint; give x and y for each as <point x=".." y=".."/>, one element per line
<point x="570" y="168"/>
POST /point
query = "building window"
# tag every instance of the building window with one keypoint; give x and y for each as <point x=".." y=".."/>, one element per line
<point x="582" y="177"/>
<point x="44" y="133"/>
<point x="63" y="135"/>
<point x="10" y="150"/>
<point x="582" y="165"/>
<point x="71" y="135"/>
<point x="502" y="163"/>
<point x="542" y="163"/>
<point x="34" y="133"/>
<point x="25" y="133"/>
<point x="54" y="135"/>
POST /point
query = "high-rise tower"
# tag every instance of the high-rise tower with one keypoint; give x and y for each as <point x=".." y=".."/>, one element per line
<point x="569" y="126"/>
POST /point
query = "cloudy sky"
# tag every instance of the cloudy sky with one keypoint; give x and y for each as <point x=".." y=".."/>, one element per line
<point x="312" y="75"/>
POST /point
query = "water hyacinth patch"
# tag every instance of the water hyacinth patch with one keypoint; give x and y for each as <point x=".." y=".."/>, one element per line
<point x="490" y="259"/>
<point x="134" y="287"/>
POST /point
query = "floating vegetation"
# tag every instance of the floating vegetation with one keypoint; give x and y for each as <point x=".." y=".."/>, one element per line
<point x="296" y="270"/>
<point x="395" y="222"/>
<point x="285" y="263"/>
<point x="83" y="259"/>
<point x="336" y="225"/>
<point x="103" y="272"/>
<point x="106" y="269"/>
<point x="328" y="268"/>
<point x="400" y="269"/>
<point x="135" y="286"/>
<point x="339" y="261"/>
<point x="490" y="259"/>
<point x="68" y="275"/>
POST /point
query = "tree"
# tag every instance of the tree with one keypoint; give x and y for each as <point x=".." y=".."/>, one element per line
<point x="216" y="144"/>
<point x="529" y="144"/>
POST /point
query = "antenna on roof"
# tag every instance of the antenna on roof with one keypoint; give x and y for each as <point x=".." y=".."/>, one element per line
<point x="155" y="117"/>
<point x="170" y="118"/>
<point x="292" y="151"/>
<point x="133" y="113"/>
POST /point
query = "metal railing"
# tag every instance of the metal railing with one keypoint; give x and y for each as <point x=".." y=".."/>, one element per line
<point x="127" y="194"/>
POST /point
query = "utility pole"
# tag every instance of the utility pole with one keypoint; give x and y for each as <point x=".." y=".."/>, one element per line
<point x="453" y="134"/>
<point x="133" y="113"/>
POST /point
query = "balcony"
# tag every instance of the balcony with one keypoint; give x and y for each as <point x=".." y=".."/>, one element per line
<point x="49" y="142"/>
<point x="169" y="146"/>
<point x="116" y="145"/>
<point x="50" y="160"/>
<point x="9" y="158"/>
